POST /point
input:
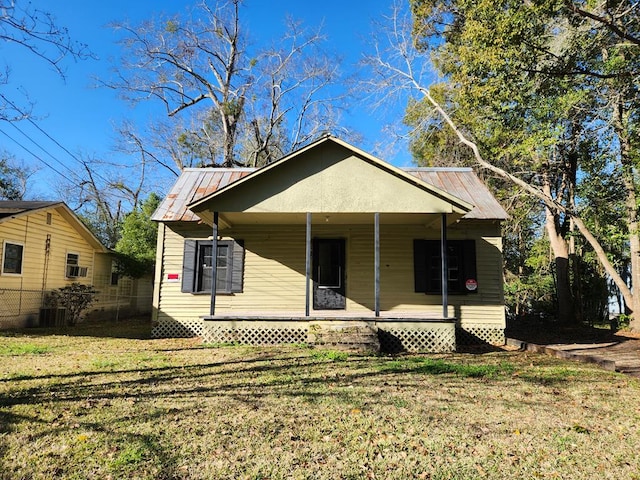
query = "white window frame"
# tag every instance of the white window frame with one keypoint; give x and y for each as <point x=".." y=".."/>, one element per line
<point x="67" y="264"/>
<point x="4" y="252"/>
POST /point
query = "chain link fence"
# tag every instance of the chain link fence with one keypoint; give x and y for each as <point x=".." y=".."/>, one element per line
<point x="31" y="308"/>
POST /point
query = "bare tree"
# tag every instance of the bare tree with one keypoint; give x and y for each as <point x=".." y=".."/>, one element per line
<point x="36" y="32"/>
<point x="13" y="178"/>
<point x="295" y="101"/>
<point x="102" y="193"/>
<point x="240" y="100"/>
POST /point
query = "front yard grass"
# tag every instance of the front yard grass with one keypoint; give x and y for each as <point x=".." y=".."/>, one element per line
<point x="92" y="405"/>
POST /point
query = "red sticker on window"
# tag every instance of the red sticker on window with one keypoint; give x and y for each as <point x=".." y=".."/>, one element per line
<point x="471" y="284"/>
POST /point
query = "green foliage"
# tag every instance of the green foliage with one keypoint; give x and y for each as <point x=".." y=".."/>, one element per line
<point x="136" y="248"/>
<point x="76" y="298"/>
<point x="12" y="180"/>
<point x="537" y="86"/>
<point x="106" y="230"/>
<point x="171" y="26"/>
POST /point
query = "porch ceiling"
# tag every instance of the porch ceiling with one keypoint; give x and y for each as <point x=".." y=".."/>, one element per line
<point x="233" y="218"/>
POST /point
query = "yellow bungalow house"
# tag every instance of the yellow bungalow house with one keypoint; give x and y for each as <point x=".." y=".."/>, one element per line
<point x="330" y="235"/>
<point x="45" y="246"/>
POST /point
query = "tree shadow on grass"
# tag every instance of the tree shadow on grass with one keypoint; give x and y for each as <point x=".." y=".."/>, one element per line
<point x="137" y="328"/>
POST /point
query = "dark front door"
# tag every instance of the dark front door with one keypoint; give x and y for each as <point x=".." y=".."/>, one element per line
<point x="328" y="274"/>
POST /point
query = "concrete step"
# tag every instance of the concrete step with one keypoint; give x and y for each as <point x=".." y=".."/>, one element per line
<point x="352" y="336"/>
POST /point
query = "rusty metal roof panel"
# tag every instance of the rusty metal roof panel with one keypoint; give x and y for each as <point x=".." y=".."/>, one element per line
<point x="466" y="185"/>
<point x="191" y="185"/>
<point x="196" y="183"/>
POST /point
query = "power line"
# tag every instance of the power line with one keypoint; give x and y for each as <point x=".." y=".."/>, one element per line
<point x="73" y="156"/>
<point x="39" y="146"/>
<point x="31" y="153"/>
<point x="40" y="129"/>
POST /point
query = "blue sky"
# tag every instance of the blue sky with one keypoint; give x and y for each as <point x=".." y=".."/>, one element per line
<point x="81" y="117"/>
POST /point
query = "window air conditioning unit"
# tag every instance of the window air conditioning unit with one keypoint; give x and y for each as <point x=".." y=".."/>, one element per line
<point x="75" y="271"/>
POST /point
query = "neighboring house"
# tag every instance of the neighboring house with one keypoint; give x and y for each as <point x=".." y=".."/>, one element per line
<point x="45" y="246"/>
<point x="329" y="234"/>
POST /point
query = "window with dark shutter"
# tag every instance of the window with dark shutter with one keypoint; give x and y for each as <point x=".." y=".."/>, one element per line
<point x="461" y="263"/>
<point x="197" y="266"/>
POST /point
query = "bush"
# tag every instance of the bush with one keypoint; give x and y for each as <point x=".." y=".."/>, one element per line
<point x="76" y="298"/>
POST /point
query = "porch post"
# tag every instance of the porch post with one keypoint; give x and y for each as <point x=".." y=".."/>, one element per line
<point x="445" y="267"/>
<point x="376" y="261"/>
<point x="214" y="264"/>
<point x="307" y="264"/>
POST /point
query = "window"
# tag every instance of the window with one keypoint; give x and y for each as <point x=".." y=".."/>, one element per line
<point x="115" y="276"/>
<point x="12" y="255"/>
<point x="74" y="269"/>
<point x="197" y="267"/>
<point x="461" y="266"/>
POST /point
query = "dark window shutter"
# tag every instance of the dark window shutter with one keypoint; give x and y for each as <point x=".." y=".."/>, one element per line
<point x="433" y="267"/>
<point x="189" y="266"/>
<point x="230" y="271"/>
<point x="469" y="255"/>
<point x="237" y="274"/>
<point x="420" y="265"/>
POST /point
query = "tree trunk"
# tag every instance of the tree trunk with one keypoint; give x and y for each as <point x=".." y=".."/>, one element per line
<point x="629" y="298"/>
<point x="560" y="251"/>
<point x="631" y="204"/>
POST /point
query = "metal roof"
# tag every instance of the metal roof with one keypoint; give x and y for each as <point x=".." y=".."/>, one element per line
<point x="196" y="183"/>
<point x="466" y="185"/>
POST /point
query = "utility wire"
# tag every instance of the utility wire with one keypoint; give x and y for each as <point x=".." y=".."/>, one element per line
<point x="73" y="156"/>
<point x="41" y="130"/>
<point x="40" y="147"/>
<point x="32" y="153"/>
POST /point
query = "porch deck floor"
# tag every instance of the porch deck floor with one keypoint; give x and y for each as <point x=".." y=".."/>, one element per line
<point x="339" y="315"/>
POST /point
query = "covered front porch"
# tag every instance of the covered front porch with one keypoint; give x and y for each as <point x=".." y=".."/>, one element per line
<point x="329" y="315"/>
<point x="342" y="260"/>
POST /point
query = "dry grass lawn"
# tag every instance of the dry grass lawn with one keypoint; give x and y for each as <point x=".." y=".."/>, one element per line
<point x="87" y="404"/>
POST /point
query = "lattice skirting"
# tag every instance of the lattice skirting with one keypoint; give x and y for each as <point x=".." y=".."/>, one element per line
<point x="479" y="334"/>
<point x="431" y="338"/>
<point x="394" y="336"/>
<point x="177" y="329"/>
<point x="250" y="333"/>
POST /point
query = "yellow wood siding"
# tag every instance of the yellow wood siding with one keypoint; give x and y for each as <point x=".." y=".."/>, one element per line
<point x="274" y="271"/>
<point x="22" y="295"/>
<point x="39" y="269"/>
